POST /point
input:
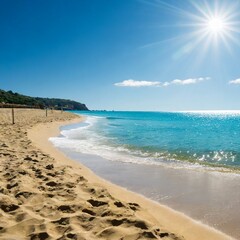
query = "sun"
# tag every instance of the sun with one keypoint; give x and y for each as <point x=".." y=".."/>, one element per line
<point x="216" y="25"/>
<point x="208" y="27"/>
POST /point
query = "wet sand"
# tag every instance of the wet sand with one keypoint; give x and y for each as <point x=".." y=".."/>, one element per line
<point x="210" y="197"/>
<point x="45" y="195"/>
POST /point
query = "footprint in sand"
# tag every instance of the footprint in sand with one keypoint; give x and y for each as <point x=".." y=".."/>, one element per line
<point x="9" y="207"/>
<point x="96" y="203"/>
<point x="39" y="236"/>
<point x="66" y="209"/>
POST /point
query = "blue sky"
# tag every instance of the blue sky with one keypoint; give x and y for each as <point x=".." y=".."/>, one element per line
<point x="150" y="55"/>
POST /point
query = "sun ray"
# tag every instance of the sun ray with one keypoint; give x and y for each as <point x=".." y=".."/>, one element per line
<point x="217" y="23"/>
<point x="226" y="44"/>
<point x="208" y="26"/>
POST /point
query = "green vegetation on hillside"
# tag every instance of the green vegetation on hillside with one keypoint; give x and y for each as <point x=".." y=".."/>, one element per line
<point x="8" y="97"/>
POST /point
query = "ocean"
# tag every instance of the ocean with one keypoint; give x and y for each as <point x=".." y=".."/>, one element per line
<point x="176" y="139"/>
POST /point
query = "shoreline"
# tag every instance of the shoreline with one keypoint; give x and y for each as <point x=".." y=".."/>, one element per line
<point x="172" y="220"/>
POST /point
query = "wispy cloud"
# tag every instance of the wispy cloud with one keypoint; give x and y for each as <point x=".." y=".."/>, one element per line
<point x="186" y="81"/>
<point x="236" y="81"/>
<point x="134" y="83"/>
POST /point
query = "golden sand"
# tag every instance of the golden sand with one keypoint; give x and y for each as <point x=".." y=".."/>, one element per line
<point x="45" y="195"/>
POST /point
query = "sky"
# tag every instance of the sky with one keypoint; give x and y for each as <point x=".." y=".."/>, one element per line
<point x="142" y="55"/>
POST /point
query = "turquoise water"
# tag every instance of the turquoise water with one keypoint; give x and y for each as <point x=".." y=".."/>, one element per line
<point x="172" y="138"/>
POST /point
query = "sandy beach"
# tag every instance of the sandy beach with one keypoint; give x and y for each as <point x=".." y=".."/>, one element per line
<point x="45" y="195"/>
